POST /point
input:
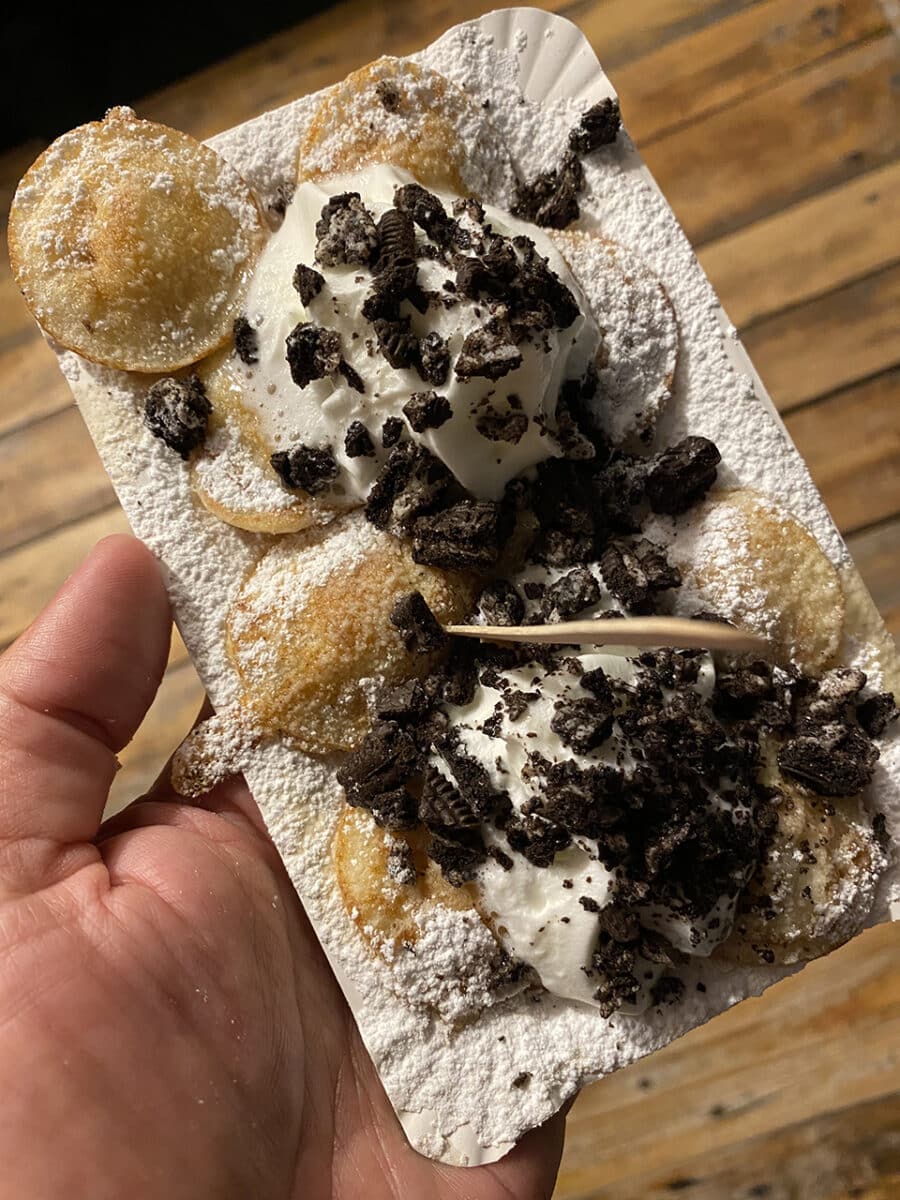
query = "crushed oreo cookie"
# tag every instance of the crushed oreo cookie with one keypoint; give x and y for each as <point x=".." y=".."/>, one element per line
<point x="352" y="376"/>
<point x="427" y="211"/>
<point x="501" y="604"/>
<point x="582" y="724"/>
<point x="488" y="353"/>
<point x="245" y="344"/>
<point x="177" y="411"/>
<point x="551" y="198"/>
<point x="571" y="594"/>
<point x="418" y="626"/>
<point x="442" y="805"/>
<point x="434" y="359"/>
<point x="466" y="534"/>
<point x="308" y="468"/>
<point x="397" y="342"/>
<point x="497" y="426"/>
<point x="391" y="432"/>
<point x="832" y="759"/>
<point x="875" y="713"/>
<point x="307" y="283"/>
<point x="358" y="441"/>
<point x="373" y="776"/>
<point x="412" y="482"/>
<point x="681" y="475"/>
<point x="599" y="126"/>
<point x="635" y="571"/>
<point x="406" y="702"/>
<point x="345" y="232"/>
<point x="312" y="352"/>
<point x="427" y="410"/>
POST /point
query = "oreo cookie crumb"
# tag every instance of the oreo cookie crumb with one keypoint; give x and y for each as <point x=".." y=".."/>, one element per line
<point x="832" y="759"/>
<point x="457" y="853"/>
<point x="358" y="441"/>
<point x="394" y="810"/>
<point x="472" y="780"/>
<point x="501" y="604"/>
<point x="635" y="571"/>
<point x="427" y="410"/>
<point x="551" y="198"/>
<point x="391" y="432"/>
<point x="307" y="283"/>
<point x="488" y="353"/>
<point x="411" y="482"/>
<point x="397" y="342"/>
<point x="571" y="594"/>
<point x="434" y="359"/>
<point x="245" y="343"/>
<point x="582" y="724"/>
<point x="309" y="468"/>
<point x="312" y="352"/>
<point x="401" y="866"/>
<point x="500" y="858"/>
<point x="406" y="703"/>
<point x="442" y="805"/>
<point x="682" y="474"/>
<point x="427" y="211"/>
<point x="345" y="232"/>
<point x="379" y="767"/>
<point x="389" y="94"/>
<point x="502" y="427"/>
<point x="536" y="838"/>
<point x="466" y="534"/>
<point x="419" y="628"/>
<point x="876" y="712"/>
<point x="177" y="411"/>
<point x="599" y="126"/>
<point x="353" y="378"/>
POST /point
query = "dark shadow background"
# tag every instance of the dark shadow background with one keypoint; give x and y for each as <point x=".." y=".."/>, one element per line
<point x="59" y="71"/>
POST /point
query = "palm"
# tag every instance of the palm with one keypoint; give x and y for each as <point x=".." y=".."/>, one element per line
<point x="167" y="1015"/>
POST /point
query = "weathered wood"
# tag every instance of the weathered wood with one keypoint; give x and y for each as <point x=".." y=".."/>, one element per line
<point x="31" y="386"/>
<point x="853" y="436"/>
<point x="820" y="127"/>
<point x="828" y="343"/>
<point x="169" y="719"/>
<point x="31" y="574"/>
<point x="673" y="85"/>
<point x="876" y="553"/>
<point x="50" y="475"/>
<point x="809" y="249"/>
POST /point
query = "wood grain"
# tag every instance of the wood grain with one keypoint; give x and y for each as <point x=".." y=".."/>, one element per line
<point x="828" y="343"/>
<point x="809" y="249"/>
<point x="820" y="127"/>
<point x="51" y="476"/>
<point x="851" y="436"/>
<point x="876" y="553"/>
<point x="673" y="85"/>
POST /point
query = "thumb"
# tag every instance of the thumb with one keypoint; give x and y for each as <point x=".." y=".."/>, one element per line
<point x="73" y="690"/>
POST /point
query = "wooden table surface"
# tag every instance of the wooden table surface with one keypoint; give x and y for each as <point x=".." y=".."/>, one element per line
<point x="774" y="129"/>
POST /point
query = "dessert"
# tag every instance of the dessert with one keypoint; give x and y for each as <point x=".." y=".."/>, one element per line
<point x="472" y="370"/>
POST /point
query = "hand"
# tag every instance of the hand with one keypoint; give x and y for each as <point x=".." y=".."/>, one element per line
<point x="168" y="1024"/>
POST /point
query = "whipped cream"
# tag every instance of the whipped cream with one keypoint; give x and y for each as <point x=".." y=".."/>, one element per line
<point x="319" y="414"/>
<point x="537" y="911"/>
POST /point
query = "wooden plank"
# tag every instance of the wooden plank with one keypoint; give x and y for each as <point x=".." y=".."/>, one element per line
<point x="49" y="475"/>
<point x="851" y="1153"/>
<point x="828" y="343"/>
<point x="817" y="1043"/>
<point x="170" y="717"/>
<point x="818" y="128"/>
<point x="31" y="386"/>
<point x="809" y="249"/>
<point x="623" y="30"/>
<point x="758" y="46"/>
<point x="853" y="436"/>
<point x="31" y="574"/>
<point x="876" y="553"/>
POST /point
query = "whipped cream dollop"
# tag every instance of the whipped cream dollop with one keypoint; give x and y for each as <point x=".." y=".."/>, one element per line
<point x="497" y="427"/>
<point x="547" y="915"/>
